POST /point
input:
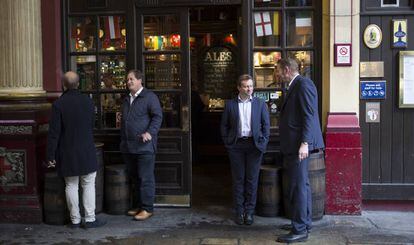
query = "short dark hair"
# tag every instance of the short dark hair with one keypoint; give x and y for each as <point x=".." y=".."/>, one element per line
<point x="70" y="81"/>
<point x="242" y="78"/>
<point x="288" y="62"/>
<point x="137" y="74"/>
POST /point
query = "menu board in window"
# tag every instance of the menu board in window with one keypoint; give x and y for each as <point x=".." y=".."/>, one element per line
<point x="218" y="75"/>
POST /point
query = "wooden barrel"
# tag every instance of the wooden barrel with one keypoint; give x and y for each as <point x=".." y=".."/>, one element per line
<point x="55" y="211"/>
<point x="99" y="182"/>
<point x="268" y="192"/>
<point x="116" y="189"/>
<point x="317" y="182"/>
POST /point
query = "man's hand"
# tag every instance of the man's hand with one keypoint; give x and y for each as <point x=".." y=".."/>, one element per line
<point x="146" y="137"/>
<point x="303" y="151"/>
<point x="51" y="164"/>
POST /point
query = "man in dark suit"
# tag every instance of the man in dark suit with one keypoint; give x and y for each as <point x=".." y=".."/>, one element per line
<point x="141" y="121"/>
<point x="70" y="147"/>
<point x="245" y="131"/>
<point x="300" y="135"/>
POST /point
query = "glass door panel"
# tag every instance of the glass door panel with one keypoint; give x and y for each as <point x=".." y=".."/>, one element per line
<point x="162" y="71"/>
<point x="85" y="67"/>
<point x="82" y="34"/>
<point x="162" y="32"/>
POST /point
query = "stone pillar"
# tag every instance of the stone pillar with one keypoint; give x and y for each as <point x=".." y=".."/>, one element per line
<point x="24" y="112"/>
<point x="340" y="108"/>
<point x="21" y="47"/>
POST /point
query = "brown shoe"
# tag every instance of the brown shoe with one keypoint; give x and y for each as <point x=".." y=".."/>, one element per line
<point x="133" y="212"/>
<point x="143" y="215"/>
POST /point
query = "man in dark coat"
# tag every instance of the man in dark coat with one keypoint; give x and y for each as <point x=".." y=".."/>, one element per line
<point x="71" y="149"/>
<point x="141" y="121"/>
<point x="245" y="131"/>
<point x="300" y="135"/>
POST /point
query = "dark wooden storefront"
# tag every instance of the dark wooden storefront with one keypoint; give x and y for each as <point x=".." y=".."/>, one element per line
<point x="388" y="146"/>
<point x="295" y="32"/>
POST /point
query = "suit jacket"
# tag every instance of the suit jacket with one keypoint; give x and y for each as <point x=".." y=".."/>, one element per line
<point x="299" y="117"/>
<point x="143" y="115"/>
<point x="70" y="137"/>
<point x="260" y="125"/>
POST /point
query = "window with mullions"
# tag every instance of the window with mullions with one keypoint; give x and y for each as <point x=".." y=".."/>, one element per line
<point x="97" y="52"/>
<point x="281" y="29"/>
<point x="162" y="64"/>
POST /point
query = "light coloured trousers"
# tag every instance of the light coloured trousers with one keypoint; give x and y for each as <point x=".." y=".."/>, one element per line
<point x="88" y="197"/>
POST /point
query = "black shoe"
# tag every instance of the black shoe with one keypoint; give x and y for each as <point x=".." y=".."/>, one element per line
<point x="292" y="237"/>
<point x="248" y="219"/>
<point x="239" y="219"/>
<point x="288" y="227"/>
<point x="95" y="224"/>
<point x="74" y="226"/>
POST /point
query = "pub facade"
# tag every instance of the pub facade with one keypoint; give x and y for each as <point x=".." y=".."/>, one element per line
<point x="189" y="49"/>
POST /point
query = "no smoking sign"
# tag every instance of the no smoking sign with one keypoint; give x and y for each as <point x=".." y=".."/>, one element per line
<point x="343" y="54"/>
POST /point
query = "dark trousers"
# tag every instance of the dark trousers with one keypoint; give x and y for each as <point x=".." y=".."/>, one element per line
<point x="245" y="161"/>
<point x="299" y="192"/>
<point x="141" y="172"/>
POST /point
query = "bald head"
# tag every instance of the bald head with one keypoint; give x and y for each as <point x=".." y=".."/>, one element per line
<point x="70" y="80"/>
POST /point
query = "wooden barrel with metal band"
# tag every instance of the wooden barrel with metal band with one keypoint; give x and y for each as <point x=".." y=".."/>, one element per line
<point x="116" y="189"/>
<point x="316" y="173"/>
<point x="55" y="211"/>
<point x="268" y="192"/>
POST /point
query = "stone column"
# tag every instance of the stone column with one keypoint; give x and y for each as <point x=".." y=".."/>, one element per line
<point x="20" y="48"/>
<point x="24" y="112"/>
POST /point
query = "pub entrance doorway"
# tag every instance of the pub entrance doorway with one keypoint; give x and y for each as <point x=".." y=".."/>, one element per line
<point x="214" y="68"/>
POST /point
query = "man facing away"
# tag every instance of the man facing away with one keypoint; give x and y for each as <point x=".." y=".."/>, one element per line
<point x="245" y="131"/>
<point x="72" y="150"/>
<point x="300" y="135"/>
<point x="141" y="121"/>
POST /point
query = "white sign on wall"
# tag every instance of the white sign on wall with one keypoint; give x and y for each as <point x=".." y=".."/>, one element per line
<point x="343" y="54"/>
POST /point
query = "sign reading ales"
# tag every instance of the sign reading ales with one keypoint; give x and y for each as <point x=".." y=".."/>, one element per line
<point x="219" y="72"/>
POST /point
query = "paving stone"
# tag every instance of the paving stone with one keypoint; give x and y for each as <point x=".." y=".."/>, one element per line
<point x="219" y="241"/>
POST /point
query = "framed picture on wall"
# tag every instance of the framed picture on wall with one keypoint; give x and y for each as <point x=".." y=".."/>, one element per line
<point x="399" y="33"/>
<point x="406" y="79"/>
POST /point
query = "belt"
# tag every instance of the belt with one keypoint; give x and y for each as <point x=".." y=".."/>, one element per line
<point x="245" y="138"/>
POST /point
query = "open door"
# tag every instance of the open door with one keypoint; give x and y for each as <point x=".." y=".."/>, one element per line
<point x="163" y="55"/>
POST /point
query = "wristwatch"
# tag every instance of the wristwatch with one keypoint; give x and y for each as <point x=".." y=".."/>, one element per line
<point x="305" y="143"/>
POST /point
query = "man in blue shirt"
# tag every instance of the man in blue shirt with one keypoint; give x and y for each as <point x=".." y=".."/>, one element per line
<point x="245" y="131"/>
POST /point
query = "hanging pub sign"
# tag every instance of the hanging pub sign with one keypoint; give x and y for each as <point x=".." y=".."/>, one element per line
<point x="343" y="54"/>
<point x="373" y="89"/>
<point x="372" y="36"/>
<point x="399" y="33"/>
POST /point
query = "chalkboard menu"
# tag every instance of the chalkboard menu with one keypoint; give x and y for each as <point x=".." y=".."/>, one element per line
<point x="219" y="72"/>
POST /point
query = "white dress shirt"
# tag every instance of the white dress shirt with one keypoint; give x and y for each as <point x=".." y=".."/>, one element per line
<point x="292" y="80"/>
<point x="245" y="113"/>
<point x="132" y="97"/>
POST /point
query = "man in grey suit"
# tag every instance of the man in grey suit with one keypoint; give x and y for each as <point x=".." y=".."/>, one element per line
<point x="245" y="131"/>
<point x="300" y="135"/>
<point x="141" y="121"/>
